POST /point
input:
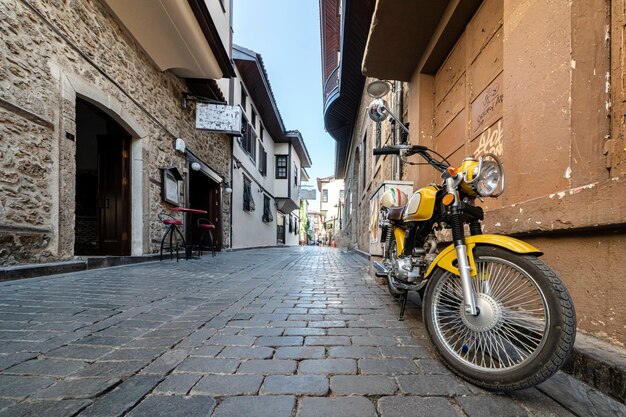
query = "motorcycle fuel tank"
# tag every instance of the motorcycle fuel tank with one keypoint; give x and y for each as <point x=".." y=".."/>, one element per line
<point x="421" y="205"/>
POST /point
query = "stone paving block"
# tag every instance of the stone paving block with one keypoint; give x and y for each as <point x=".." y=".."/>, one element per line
<point x="297" y="352"/>
<point x="208" y="366"/>
<point x="81" y="352"/>
<point x="362" y="385"/>
<point x="227" y="385"/>
<point x="15" y="358"/>
<point x="262" y="332"/>
<point x="113" y="369"/>
<point x="244" y="352"/>
<point x="304" y="331"/>
<point x="536" y="402"/>
<point x="248" y="323"/>
<point x="305" y="317"/>
<point x="132" y="354"/>
<point x="271" y="317"/>
<point x="432" y="385"/>
<point x="19" y="387"/>
<point x="207" y="351"/>
<point x="475" y="406"/>
<point x="179" y="384"/>
<point x="354" y="352"/>
<point x="580" y="397"/>
<point x="373" y="341"/>
<point x="347" y="331"/>
<point x="410" y="352"/>
<point x="336" y="407"/>
<point x="327" y="324"/>
<point x="97" y="340"/>
<point x="46" y="367"/>
<point x="123" y="397"/>
<point x="288" y="323"/>
<point x="161" y="342"/>
<point x="76" y="389"/>
<point x="416" y="407"/>
<point x="387" y="366"/>
<point x="252" y="406"/>
<point x="268" y="367"/>
<point x="295" y="384"/>
<point x="432" y="366"/>
<point x="45" y="408"/>
<point x="290" y="310"/>
<point x="327" y="340"/>
<point x="225" y="340"/>
<point x="276" y="341"/>
<point x="327" y="366"/>
<point x="173" y="406"/>
<point x="166" y="362"/>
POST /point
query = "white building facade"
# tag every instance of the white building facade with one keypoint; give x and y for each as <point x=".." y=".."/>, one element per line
<point x="331" y="204"/>
<point x="268" y="162"/>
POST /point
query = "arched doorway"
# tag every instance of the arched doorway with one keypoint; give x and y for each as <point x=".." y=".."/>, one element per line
<point x="102" y="217"/>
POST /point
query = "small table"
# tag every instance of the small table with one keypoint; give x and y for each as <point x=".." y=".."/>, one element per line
<point x="188" y="212"/>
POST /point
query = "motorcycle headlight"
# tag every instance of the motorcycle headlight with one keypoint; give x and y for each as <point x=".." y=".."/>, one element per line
<point x="490" y="178"/>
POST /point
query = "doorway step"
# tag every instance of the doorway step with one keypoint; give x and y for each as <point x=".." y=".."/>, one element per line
<point x="79" y="263"/>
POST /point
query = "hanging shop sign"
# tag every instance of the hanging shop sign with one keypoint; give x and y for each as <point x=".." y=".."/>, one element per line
<point x="219" y="118"/>
<point x="307" y="194"/>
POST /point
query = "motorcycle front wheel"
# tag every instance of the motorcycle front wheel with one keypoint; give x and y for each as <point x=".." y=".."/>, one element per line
<point x="525" y="328"/>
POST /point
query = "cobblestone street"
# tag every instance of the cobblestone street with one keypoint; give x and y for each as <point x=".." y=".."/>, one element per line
<point x="273" y="332"/>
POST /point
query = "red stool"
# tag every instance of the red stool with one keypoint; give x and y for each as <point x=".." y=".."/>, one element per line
<point x="173" y="231"/>
<point x="207" y="228"/>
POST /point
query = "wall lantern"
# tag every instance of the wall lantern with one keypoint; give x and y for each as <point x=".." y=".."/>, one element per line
<point x="196" y="166"/>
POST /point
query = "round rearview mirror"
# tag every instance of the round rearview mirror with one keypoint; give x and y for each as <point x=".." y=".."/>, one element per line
<point x="378" y="88"/>
<point x="377" y="110"/>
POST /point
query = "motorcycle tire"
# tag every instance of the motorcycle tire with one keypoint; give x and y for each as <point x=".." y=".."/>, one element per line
<point x="392" y="253"/>
<point x="525" y="329"/>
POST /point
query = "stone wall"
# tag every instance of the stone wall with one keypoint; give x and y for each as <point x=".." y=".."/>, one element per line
<point x="52" y="52"/>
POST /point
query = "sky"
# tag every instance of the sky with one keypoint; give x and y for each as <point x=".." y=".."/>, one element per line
<point x="287" y="35"/>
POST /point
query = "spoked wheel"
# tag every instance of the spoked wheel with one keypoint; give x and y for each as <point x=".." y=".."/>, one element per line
<point x="525" y="328"/>
<point x="392" y="253"/>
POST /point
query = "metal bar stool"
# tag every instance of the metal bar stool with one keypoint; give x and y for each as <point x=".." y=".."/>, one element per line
<point x="207" y="229"/>
<point x="173" y="231"/>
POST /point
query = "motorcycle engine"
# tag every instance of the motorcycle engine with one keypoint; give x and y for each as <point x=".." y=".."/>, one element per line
<point x="412" y="268"/>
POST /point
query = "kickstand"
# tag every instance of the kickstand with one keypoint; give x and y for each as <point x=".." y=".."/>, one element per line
<point x="403" y="298"/>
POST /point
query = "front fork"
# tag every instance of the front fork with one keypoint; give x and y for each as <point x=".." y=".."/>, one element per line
<point x="458" y="236"/>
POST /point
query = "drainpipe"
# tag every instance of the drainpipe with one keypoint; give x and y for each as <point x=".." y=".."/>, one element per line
<point x="398" y="130"/>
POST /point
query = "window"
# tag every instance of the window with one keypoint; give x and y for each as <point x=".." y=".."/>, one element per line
<point x="244" y="97"/>
<point x="295" y="175"/>
<point x="253" y="117"/>
<point x="290" y="224"/>
<point x="261" y="130"/>
<point x="248" y="140"/>
<point x="324" y="196"/>
<point x="341" y="194"/>
<point x="267" y="212"/>
<point x="281" y="167"/>
<point x="248" y="201"/>
<point x="262" y="160"/>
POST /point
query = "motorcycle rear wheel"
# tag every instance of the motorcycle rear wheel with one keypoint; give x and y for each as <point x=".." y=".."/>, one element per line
<point x="525" y="329"/>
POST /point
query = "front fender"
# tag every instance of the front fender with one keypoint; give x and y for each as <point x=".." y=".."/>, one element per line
<point x="447" y="257"/>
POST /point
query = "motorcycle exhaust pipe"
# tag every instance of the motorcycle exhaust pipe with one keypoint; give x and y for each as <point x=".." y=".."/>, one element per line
<point x="381" y="271"/>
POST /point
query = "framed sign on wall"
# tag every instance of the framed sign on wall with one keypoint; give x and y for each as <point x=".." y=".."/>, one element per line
<point x="170" y="176"/>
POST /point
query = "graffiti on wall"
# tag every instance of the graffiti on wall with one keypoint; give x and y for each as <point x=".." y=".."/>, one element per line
<point x="490" y="141"/>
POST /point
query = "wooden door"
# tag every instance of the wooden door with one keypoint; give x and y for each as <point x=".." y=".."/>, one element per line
<point x="113" y="195"/>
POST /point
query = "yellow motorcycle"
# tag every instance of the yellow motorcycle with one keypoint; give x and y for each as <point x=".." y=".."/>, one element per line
<point x="497" y="315"/>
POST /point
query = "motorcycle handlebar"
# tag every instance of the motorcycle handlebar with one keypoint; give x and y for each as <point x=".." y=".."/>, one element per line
<point x="395" y="150"/>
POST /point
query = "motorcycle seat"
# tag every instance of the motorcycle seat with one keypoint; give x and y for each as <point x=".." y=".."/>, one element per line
<point x="395" y="213"/>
